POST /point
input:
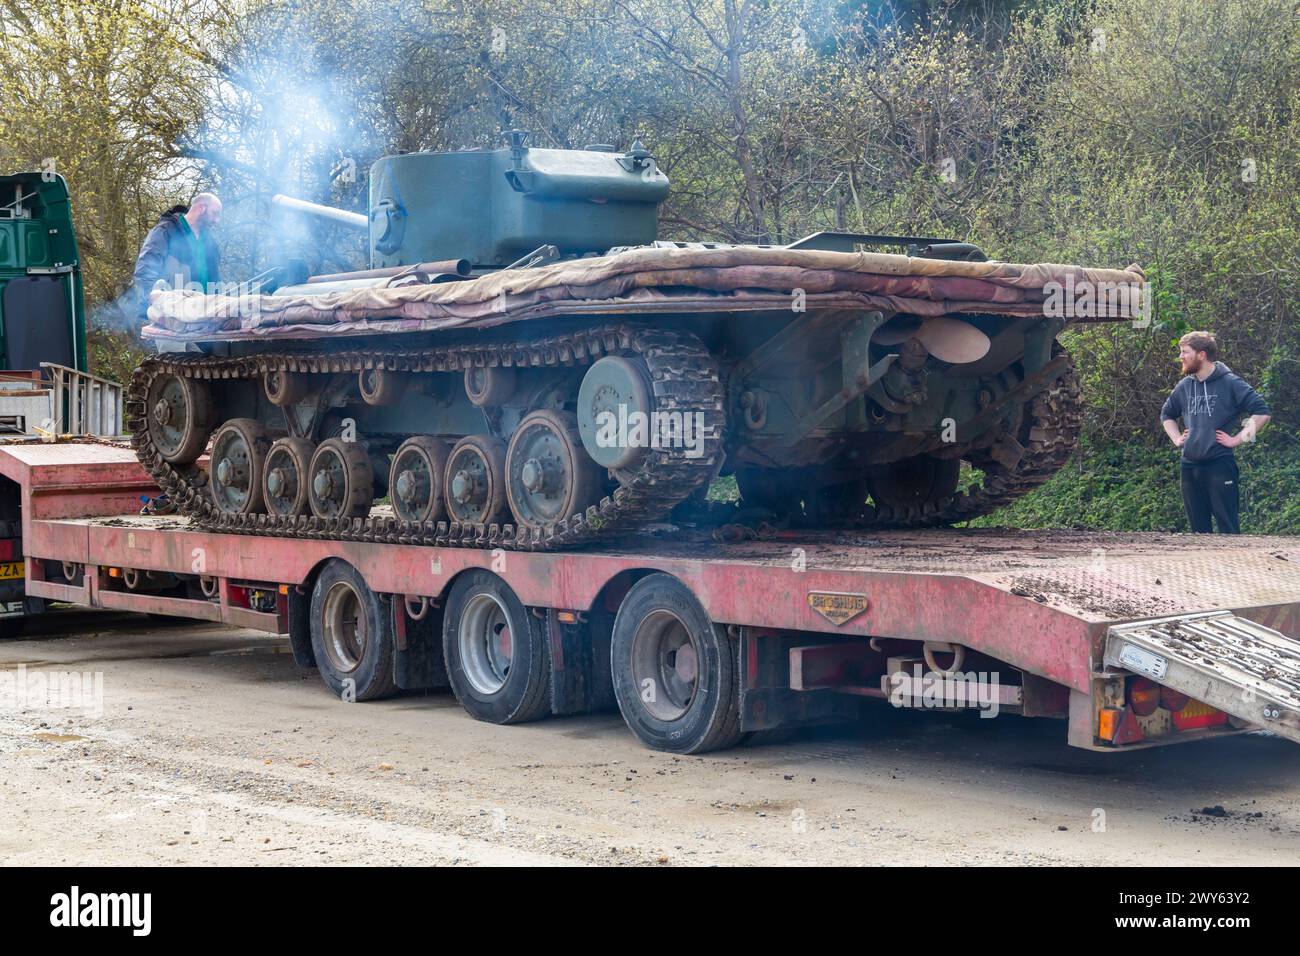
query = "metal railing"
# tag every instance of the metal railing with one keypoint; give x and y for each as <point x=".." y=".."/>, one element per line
<point x="84" y="404"/>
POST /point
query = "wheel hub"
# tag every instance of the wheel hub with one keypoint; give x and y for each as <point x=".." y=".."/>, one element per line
<point x="346" y="634"/>
<point x="230" y="474"/>
<point x="535" y="475"/>
<point x="685" y="664"/>
<point x="666" y="665"/>
<point x="276" y="482"/>
<point x="485" y="643"/>
<point x="406" y="485"/>
<point x="162" y="412"/>
<point x="323" y="484"/>
<point x="462" y="486"/>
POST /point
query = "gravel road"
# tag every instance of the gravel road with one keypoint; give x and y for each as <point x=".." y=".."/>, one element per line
<point x="211" y="748"/>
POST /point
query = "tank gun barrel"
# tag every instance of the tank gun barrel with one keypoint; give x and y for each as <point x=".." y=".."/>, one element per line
<point x="354" y="219"/>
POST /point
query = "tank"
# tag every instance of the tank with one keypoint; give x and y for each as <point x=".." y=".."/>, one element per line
<point x="525" y="364"/>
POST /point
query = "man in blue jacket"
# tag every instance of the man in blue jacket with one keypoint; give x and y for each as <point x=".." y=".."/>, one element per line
<point x="181" y="250"/>
<point x="1210" y="400"/>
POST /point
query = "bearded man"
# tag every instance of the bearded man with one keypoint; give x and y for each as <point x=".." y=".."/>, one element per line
<point x="1210" y="400"/>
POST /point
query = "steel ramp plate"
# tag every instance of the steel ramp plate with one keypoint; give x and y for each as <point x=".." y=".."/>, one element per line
<point x="1244" y="669"/>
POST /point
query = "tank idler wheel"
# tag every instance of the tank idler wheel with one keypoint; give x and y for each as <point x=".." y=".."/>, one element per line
<point x="180" y="417"/>
<point x="549" y="476"/>
<point x="616" y="411"/>
<point x="342" y="480"/>
<point x="285" y="485"/>
<point x="352" y="634"/>
<point x="379" y="386"/>
<point x="489" y="385"/>
<point x="237" y="465"/>
<point x="498" y="661"/>
<point x="286" y="388"/>
<point x="475" y="480"/>
<point x="415" y="481"/>
<point x="676" y="673"/>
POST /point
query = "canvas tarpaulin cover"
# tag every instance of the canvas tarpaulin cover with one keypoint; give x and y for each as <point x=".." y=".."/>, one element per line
<point x="661" y="280"/>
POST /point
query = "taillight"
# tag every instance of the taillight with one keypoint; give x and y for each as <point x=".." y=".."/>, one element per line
<point x="1108" y="721"/>
<point x="1172" y="700"/>
<point x="1143" y="696"/>
<point x="1196" y="715"/>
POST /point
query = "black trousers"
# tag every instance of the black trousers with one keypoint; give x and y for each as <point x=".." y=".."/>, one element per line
<point x="1210" y="489"/>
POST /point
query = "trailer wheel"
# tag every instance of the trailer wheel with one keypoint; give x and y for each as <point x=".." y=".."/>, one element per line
<point x="675" y="672"/>
<point x="351" y="634"/>
<point x="497" y="657"/>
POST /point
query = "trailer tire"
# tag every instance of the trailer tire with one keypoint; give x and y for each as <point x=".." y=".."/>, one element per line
<point x="498" y="659"/>
<point x="351" y="634"/>
<point x="683" y="704"/>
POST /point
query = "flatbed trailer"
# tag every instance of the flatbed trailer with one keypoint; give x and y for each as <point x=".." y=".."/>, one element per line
<point x="1132" y="639"/>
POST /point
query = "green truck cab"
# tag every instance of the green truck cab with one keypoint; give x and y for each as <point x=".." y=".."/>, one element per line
<point x="42" y="310"/>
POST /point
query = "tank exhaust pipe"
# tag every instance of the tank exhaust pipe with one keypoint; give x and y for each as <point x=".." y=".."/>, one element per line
<point x="354" y="219"/>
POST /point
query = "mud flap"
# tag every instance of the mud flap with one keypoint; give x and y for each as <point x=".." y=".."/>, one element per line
<point x="580" y="678"/>
<point x="417" y="654"/>
<point x="300" y="629"/>
<point x="1247" y="670"/>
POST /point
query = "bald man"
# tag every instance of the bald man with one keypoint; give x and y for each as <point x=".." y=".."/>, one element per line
<point x="180" y="249"/>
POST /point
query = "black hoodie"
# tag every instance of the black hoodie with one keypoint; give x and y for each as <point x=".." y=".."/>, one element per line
<point x="1218" y="403"/>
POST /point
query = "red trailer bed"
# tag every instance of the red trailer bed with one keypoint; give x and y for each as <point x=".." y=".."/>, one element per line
<point x="819" y="621"/>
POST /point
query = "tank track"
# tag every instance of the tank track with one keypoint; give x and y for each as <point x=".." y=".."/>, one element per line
<point x="1049" y="437"/>
<point x="685" y="378"/>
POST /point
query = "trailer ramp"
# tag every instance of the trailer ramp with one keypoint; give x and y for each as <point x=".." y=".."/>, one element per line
<point x="1247" y="670"/>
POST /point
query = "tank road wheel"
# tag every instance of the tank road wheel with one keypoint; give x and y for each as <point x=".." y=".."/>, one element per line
<point x="549" y="477"/>
<point x="180" y="418"/>
<point x="351" y="634"/>
<point x="475" y="483"/>
<point x="615" y="386"/>
<point x="676" y="673"/>
<point x="285" y="485"/>
<point x="415" y="482"/>
<point x="496" y="651"/>
<point x="342" y="480"/>
<point x="914" y="482"/>
<point x="286" y="388"/>
<point x="379" y="386"/>
<point x="490" y="385"/>
<point x="235" y="469"/>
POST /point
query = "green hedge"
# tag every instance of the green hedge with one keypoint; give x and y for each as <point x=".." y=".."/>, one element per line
<point x="1136" y="488"/>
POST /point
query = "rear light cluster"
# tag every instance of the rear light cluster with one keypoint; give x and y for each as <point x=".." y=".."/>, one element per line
<point x="1153" y="711"/>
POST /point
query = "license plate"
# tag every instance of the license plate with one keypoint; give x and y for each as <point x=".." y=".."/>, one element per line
<point x="1143" y="661"/>
<point x="10" y="570"/>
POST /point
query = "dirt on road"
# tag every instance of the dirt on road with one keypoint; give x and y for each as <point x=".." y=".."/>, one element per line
<point x="212" y="748"/>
